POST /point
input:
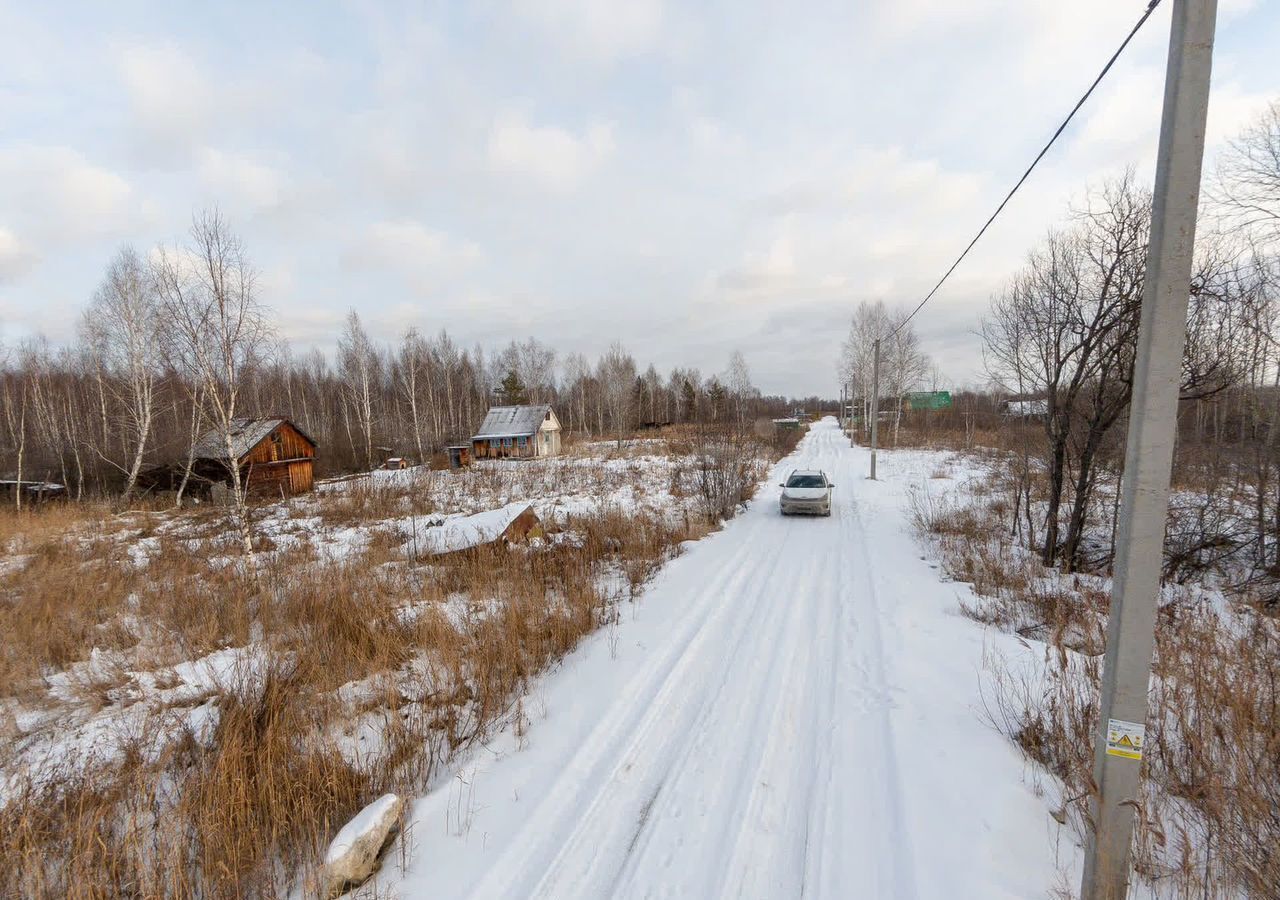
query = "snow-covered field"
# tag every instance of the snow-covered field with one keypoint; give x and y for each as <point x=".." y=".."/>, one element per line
<point x="789" y="709"/>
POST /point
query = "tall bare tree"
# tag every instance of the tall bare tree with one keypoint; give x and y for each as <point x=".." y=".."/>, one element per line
<point x="122" y="330"/>
<point x="413" y="367"/>
<point x="902" y="363"/>
<point x="1247" y="182"/>
<point x="218" y="331"/>
<point x="359" y="365"/>
<point x="742" y="393"/>
<point x="617" y="374"/>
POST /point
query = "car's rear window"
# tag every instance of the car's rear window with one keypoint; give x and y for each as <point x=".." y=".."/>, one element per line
<point x="806" y="481"/>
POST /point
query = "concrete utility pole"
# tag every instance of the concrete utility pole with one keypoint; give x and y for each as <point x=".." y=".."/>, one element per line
<point x="853" y="432"/>
<point x="1149" y="452"/>
<point x="875" y="406"/>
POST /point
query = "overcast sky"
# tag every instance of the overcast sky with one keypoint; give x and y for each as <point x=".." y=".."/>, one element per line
<point x="688" y="178"/>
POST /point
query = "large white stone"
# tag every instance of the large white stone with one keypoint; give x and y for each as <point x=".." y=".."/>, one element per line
<point x="353" y="854"/>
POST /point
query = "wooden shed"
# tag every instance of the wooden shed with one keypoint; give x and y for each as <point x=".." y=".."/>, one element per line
<point x="275" y="456"/>
<point x="517" y="432"/>
<point x="459" y="455"/>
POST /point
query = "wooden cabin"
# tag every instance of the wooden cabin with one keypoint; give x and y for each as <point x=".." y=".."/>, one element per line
<point x="517" y="432"/>
<point x="275" y="456"/>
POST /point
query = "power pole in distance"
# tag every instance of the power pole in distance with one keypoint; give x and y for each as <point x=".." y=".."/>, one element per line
<point x="1149" y="452"/>
<point x="853" y="440"/>
<point x="875" y="406"/>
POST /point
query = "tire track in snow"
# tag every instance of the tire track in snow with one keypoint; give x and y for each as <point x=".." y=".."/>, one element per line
<point x="754" y="756"/>
<point x="591" y="861"/>
<point x="647" y="717"/>
<point x="873" y="649"/>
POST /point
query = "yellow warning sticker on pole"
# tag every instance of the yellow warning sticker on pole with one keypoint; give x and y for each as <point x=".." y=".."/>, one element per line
<point x="1125" y="738"/>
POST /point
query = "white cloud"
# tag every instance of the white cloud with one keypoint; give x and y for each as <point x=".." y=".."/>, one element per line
<point x="1124" y="124"/>
<point x="775" y="265"/>
<point x="170" y="96"/>
<point x="882" y="183"/>
<point x="238" y="181"/>
<point x="179" y="106"/>
<point x="1231" y="109"/>
<point x="1229" y="9"/>
<point x="551" y="156"/>
<point x="596" y="30"/>
<point x="57" y="192"/>
<point x="16" y="259"/>
<point x="419" y="255"/>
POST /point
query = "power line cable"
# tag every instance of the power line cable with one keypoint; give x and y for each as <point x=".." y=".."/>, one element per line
<point x="1151" y="7"/>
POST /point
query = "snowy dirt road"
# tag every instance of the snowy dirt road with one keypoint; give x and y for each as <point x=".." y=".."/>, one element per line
<point x="788" y="711"/>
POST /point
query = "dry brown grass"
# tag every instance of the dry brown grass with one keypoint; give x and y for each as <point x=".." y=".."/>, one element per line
<point x="1014" y="592"/>
<point x="1209" y="821"/>
<point x="358" y="674"/>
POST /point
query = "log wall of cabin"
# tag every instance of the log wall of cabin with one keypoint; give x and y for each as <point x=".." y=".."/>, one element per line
<point x="281" y="463"/>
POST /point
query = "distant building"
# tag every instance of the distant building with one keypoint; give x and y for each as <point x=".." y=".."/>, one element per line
<point x="30" y="491"/>
<point x="275" y="456"/>
<point x="396" y="462"/>
<point x="1025" y="409"/>
<point x="517" y="432"/>
<point x="459" y="455"/>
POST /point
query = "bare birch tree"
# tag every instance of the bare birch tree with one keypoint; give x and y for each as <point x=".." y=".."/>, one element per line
<point x="121" y="329"/>
<point x="218" y="330"/>
<point x="617" y="375"/>
<point x="742" y="392"/>
<point x="358" y="365"/>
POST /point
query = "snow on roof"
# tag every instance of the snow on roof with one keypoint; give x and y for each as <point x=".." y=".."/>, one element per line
<point x="463" y="532"/>
<point x="512" y="421"/>
<point x="33" y="485"/>
<point x="245" y="435"/>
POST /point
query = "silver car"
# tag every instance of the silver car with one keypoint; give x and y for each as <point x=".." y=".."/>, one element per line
<point x="808" y="492"/>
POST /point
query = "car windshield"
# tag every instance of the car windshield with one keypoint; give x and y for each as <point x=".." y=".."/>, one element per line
<point x="806" y="481"/>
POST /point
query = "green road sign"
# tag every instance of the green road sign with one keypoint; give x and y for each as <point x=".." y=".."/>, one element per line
<point x="929" y="400"/>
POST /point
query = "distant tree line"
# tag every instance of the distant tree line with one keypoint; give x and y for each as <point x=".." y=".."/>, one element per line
<point x="178" y="341"/>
